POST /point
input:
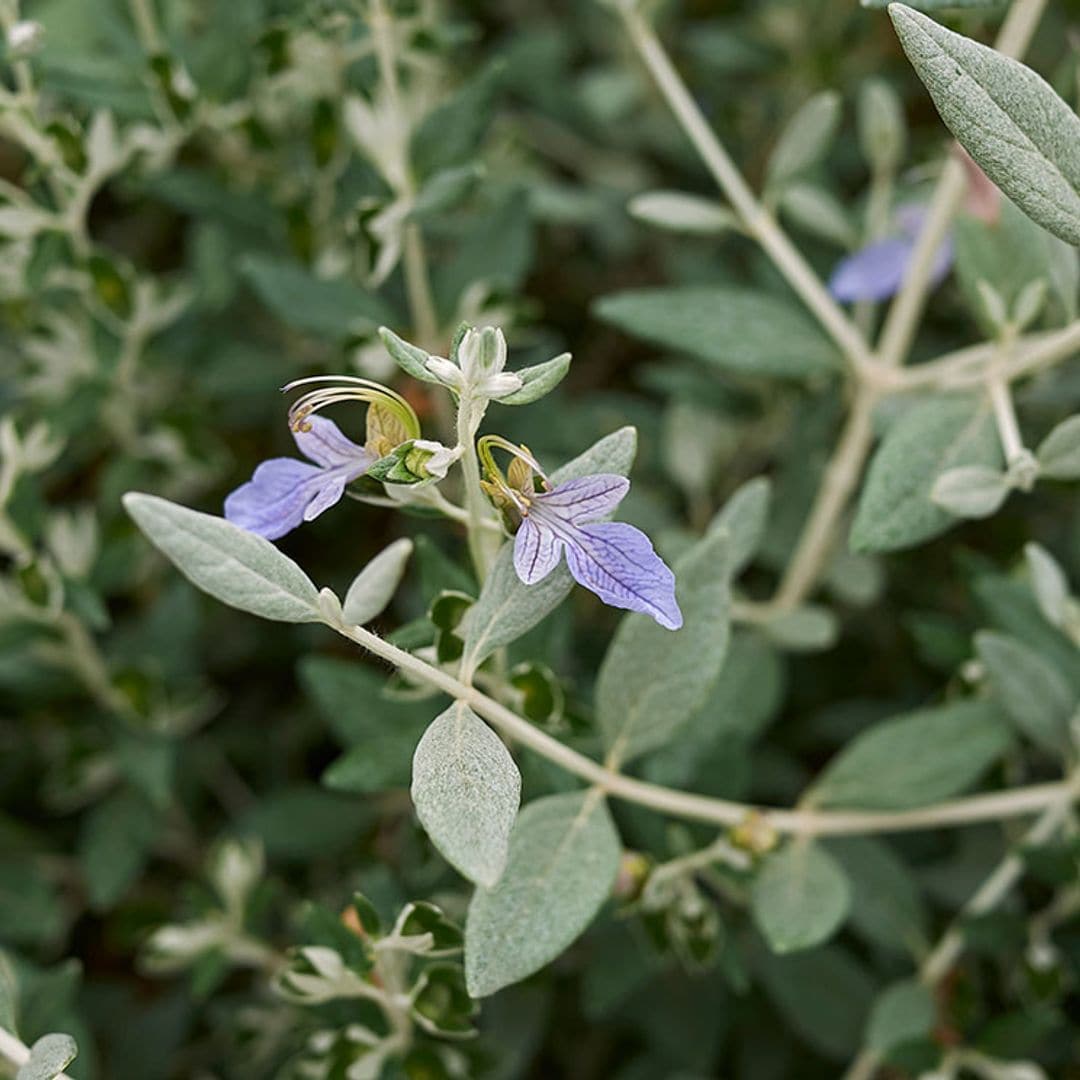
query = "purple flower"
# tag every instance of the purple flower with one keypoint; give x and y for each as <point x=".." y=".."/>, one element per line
<point x="283" y="493"/>
<point x="612" y="559"/>
<point x="877" y="271"/>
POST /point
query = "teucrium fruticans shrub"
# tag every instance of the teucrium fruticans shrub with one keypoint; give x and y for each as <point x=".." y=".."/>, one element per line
<point x="770" y="542"/>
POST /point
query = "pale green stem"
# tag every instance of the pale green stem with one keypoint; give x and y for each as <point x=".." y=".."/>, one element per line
<point x="977" y="808"/>
<point x="941" y="959"/>
<point x="837" y="486"/>
<point x="480" y="536"/>
<point x="146" y="27"/>
<point x="759" y="223"/>
<point x="902" y="321"/>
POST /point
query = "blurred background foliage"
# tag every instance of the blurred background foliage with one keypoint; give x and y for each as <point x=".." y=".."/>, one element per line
<point x="214" y="218"/>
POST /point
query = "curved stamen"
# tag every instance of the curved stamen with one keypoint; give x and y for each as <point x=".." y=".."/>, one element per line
<point x="347" y="388"/>
<point x="484" y="448"/>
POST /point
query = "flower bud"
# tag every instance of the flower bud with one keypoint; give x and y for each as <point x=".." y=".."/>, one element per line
<point x="25" y="38"/>
<point x="414" y="462"/>
<point x="482" y="353"/>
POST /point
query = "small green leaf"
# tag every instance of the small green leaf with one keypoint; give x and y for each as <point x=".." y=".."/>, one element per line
<point x="114" y="845"/>
<point x="800" y="897"/>
<point x="751" y="333"/>
<point x="450" y="133"/>
<point x="327" y="307"/>
<point x="564" y="856"/>
<point x="895" y="510"/>
<point x="1059" y="452"/>
<point x="1007" y="117"/>
<point x="915" y="759"/>
<point x="653" y="681"/>
<point x="972" y="491"/>
<point x="882" y="129"/>
<point x="506" y="608"/>
<point x="806" y="138"/>
<point x="744" y="516"/>
<point x="49" y="1057"/>
<point x="231" y="564"/>
<point x="820" y="213"/>
<point x="410" y="358"/>
<point x="375" y="585"/>
<point x="538" y="380"/>
<point x="682" y="212"/>
<point x="466" y="790"/>
<point x="1037" y="698"/>
<point x="1049" y="584"/>
<point x="445" y="190"/>
<point x="902" y="1012"/>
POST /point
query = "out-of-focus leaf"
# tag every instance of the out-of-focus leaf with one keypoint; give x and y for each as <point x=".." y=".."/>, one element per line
<point x="739" y="330"/>
<point x="915" y="759"/>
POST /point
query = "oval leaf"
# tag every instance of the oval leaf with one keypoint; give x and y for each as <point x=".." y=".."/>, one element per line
<point x="800" y="897"/>
<point x="1036" y="697"/>
<point x="49" y="1057"/>
<point x="375" y="585"/>
<point x="231" y="564"/>
<point x="895" y="509"/>
<point x="915" y="759"/>
<point x="740" y="330"/>
<point x="466" y="790"/>
<point x="564" y="856"/>
<point x="651" y="681"/>
<point x="1007" y="117"/>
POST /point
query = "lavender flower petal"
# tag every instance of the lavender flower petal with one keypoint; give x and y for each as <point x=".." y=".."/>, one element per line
<point x="873" y="273"/>
<point x="536" y="551"/>
<point x="586" y="499"/>
<point x="325" y="444"/>
<point x="275" y="499"/>
<point x="618" y="563"/>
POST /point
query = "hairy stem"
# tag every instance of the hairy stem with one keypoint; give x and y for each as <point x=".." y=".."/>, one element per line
<point x="756" y="219"/>
<point x="479" y="518"/>
<point x="977" y="808"/>
<point x="993" y="890"/>
<point x="840" y="481"/>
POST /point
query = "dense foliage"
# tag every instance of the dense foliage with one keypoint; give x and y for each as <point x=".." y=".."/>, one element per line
<point x="805" y="810"/>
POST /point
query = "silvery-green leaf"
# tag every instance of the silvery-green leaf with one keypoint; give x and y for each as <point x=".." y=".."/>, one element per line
<point x="972" y="491"/>
<point x="819" y="212"/>
<point x="915" y="759"/>
<point x="895" y="510"/>
<point x="1059" y="452"/>
<point x="411" y="359"/>
<point x="805" y="139"/>
<point x="823" y="996"/>
<point x="1048" y="583"/>
<point x="375" y="585"/>
<point x="334" y="308"/>
<point x="809" y="628"/>
<point x="49" y="1057"/>
<point x="538" y="380"/>
<point x="1007" y="117"/>
<point x="882" y="129"/>
<point x="937" y="5"/>
<point x="744" y="517"/>
<point x="231" y="564"/>
<point x="799" y="897"/>
<point x="466" y="789"/>
<point x="445" y="190"/>
<point x="680" y="211"/>
<point x="506" y="608"/>
<point x="740" y="330"/>
<point x="887" y="908"/>
<point x="564" y="856"/>
<point x="1033" y="693"/>
<point x="652" y="681"/>
<point x="902" y="1012"/>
